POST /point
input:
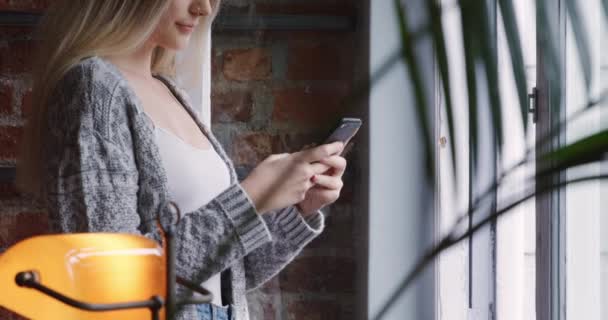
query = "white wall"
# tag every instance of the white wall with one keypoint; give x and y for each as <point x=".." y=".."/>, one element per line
<point x="603" y="40"/>
<point x="398" y="228"/>
<point x="583" y="201"/>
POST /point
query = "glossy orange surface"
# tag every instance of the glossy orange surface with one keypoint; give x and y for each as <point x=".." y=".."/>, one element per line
<point x="89" y="267"/>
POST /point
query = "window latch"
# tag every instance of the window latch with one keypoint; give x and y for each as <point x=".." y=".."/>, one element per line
<point x="533" y="104"/>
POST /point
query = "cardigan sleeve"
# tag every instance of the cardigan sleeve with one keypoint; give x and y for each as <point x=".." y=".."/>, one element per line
<point x="91" y="184"/>
<point x="291" y="232"/>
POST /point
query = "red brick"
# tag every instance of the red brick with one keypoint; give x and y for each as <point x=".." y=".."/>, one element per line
<point x="25" y="5"/>
<point x="17" y="57"/>
<point x="338" y="234"/>
<point x="16" y="227"/>
<point x="308" y="107"/>
<point x="8" y="191"/>
<point x="12" y="32"/>
<point x="314" y="310"/>
<point x="247" y="64"/>
<point x="319" y="274"/>
<point x="6" y="99"/>
<point x="9" y="141"/>
<point x="231" y="106"/>
<point x="253" y="147"/>
<point x="307" y="38"/>
<point x="320" y="62"/>
<point x="26" y="103"/>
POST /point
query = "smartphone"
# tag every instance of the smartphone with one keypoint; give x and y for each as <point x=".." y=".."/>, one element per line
<point x="345" y="131"/>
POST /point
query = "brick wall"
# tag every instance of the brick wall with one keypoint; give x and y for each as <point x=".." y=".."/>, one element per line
<point x="279" y="90"/>
<point x="272" y="92"/>
<point x="20" y="217"/>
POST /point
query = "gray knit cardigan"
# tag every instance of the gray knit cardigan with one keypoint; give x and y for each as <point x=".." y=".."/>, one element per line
<point x="103" y="173"/>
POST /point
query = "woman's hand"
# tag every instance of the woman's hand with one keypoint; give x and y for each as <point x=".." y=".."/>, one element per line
<point x="284" y="179"/>
<point x="327" y="186"/>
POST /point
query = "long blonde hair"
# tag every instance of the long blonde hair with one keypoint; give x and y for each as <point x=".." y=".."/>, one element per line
<point x="72" y="30"/>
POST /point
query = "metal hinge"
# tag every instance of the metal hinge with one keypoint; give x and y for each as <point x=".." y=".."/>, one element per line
<point x="533" y="104"/>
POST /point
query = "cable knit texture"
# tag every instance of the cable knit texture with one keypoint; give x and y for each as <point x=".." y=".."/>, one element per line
<point x="103" y="173"/>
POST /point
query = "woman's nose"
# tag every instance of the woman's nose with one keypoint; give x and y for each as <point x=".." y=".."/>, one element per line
<point x="201" y="8"/>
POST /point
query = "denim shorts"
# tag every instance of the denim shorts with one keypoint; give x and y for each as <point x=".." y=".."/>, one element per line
<point x="210" y="311"/>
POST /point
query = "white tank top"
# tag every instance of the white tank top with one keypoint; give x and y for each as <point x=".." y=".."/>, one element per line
<point x="194" y="177"/>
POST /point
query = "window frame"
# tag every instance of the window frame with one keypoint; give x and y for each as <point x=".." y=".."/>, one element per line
<point x="550" y="213"/>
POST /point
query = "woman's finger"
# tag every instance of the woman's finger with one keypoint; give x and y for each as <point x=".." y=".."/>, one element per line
<point x="320" y="168"/>
<point x="329" y="182"/>
<point x="326" y="196"/>
<point x="319" y="152"/>
<point x="337" y="162"/>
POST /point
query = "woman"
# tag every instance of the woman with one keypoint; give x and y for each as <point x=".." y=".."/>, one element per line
<point x="112" y="139"/>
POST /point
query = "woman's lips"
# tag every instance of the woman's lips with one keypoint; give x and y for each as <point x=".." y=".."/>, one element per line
<point x="184" y="28"/>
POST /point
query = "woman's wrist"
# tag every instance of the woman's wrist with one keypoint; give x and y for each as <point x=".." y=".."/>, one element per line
<point x="304" y="211"/>
<point x="251" y="195"/>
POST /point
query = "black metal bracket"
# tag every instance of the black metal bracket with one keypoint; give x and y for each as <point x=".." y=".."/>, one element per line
<point x="166" y="224"/>
<point x="167" y="230"/>
<point x="18" y="18"/>
<point x="234" y="22"/>
<point x="533" y="104"/>
<point x="7" y="175"/>
<point x="286" y="22"/>
<point x="31" y="279"/>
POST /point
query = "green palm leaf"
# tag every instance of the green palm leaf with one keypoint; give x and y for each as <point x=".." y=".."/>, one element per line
<point x="517" y="58"/>
<point x="582" y="43"/>
<point x="487" y="42"/>
<point x="583" y="151"/>
<point x="442" y="60"/>
<point x="470" y="48"/>
<point x="416" y="78"/>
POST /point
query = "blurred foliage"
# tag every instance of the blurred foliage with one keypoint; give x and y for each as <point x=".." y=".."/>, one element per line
<point x="479" y="51"/>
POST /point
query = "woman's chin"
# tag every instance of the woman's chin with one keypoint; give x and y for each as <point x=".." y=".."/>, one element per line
<point x="176" y="46"/>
